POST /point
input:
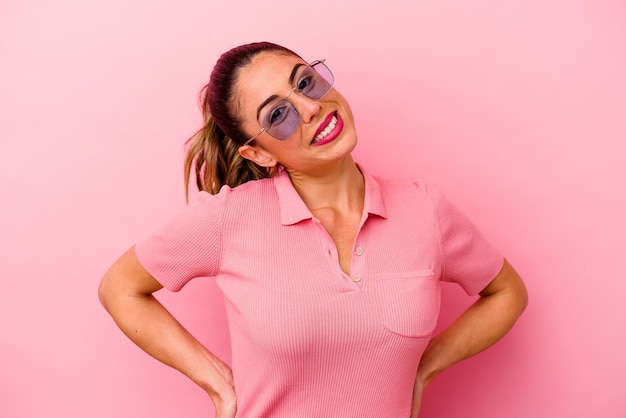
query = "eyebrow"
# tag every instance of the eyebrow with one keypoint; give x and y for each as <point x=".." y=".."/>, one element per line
<point x="275" y="96"/>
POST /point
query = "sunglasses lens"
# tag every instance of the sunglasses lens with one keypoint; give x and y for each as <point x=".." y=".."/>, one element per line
<point x="315" y="81"/>
<point x="282" y="120"/>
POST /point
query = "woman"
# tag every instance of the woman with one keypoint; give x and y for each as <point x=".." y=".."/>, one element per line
<point x="330" y="276"/>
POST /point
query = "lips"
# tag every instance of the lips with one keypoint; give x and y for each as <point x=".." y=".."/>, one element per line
<point x="328" y="130"/>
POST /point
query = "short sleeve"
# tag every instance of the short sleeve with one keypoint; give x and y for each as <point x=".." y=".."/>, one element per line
<point x="188" y="246"/>
<point x="468" y="258"/>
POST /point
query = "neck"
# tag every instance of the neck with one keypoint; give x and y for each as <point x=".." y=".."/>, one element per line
<point x="340" y="187"/>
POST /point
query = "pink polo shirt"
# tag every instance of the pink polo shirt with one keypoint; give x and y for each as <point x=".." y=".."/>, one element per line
<point x="307" y="339"/>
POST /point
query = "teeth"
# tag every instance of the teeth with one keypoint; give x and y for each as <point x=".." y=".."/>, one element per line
<point x="327" y="130"/>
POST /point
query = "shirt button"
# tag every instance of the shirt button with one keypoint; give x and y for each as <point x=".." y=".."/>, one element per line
<point x="359" y="250"/>
<point x="356" y="279"/>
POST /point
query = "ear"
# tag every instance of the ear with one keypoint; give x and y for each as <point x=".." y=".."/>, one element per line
<point x="258" y="155"/>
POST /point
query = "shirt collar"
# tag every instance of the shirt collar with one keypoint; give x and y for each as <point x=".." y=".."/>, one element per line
<point x="293" y="209"/>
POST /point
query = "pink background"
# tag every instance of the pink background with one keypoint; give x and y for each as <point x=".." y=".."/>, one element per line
<point x="517" y="109"/>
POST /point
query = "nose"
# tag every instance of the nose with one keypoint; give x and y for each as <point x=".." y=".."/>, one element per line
<point x="307" y="108"/>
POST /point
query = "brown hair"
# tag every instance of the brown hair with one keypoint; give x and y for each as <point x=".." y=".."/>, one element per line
<point x="212" y="152"/>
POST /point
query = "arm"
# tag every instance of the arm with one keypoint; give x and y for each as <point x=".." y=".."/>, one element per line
<point x="126" y="293"/>
<point x="480" y="326"/>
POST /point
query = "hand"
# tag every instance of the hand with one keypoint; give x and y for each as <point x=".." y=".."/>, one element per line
<point x="225" y="407"/>
<point x="480" y="326"/>
<point x="223" y="394"/>
<point x="418" y="390"/>
<point x="126" y="291"/>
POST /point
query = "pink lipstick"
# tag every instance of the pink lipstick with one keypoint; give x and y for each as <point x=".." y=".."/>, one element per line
<point x="328" y="130"/>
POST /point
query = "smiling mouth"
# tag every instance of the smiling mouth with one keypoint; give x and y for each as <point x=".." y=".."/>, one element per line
<point x="329" y="128"/>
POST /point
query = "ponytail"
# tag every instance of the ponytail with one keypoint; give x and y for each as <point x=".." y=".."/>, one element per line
<point x="213" y="152"/>
<point x="215" y="161"/>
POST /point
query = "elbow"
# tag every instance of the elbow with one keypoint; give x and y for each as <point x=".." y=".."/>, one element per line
<point x="510" y="290"/>
<point x="519" y="291"/>
<point x="522" y="297"/>
<point x="109" y="289"/>
<point x="104" y="292"/>
<point x="126" y="280"/>
<point x="518" y="295"/>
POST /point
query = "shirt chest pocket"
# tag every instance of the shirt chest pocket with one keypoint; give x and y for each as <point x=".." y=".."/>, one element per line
<point x="409" y="302"/>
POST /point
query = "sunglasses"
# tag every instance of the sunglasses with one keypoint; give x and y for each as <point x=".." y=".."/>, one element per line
<point x="282" y="120"/>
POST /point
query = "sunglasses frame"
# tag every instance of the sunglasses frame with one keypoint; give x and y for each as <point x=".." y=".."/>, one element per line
<point x="295" y="88"/>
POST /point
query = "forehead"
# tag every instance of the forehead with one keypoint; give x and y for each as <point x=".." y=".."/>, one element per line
<point x="267" y="74"/>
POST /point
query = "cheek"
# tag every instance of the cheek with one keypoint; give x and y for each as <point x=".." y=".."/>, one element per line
<point x="343" y="103"/>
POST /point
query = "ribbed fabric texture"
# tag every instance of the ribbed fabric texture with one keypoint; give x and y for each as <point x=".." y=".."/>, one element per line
<point x="307" y="339"/>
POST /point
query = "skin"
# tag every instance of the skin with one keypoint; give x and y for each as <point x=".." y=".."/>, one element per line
<point x="326" y="176"/>
<point x="332" y="187"/>
<point x="480" y="326"/>
<point x="126" y="293"/>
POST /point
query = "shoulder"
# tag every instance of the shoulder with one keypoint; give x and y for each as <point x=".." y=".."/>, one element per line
<point x="244" y="202"/>
<point x="248" y="190"/>
<point x="405" y="189"/>
<point x="401" y="199"/>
